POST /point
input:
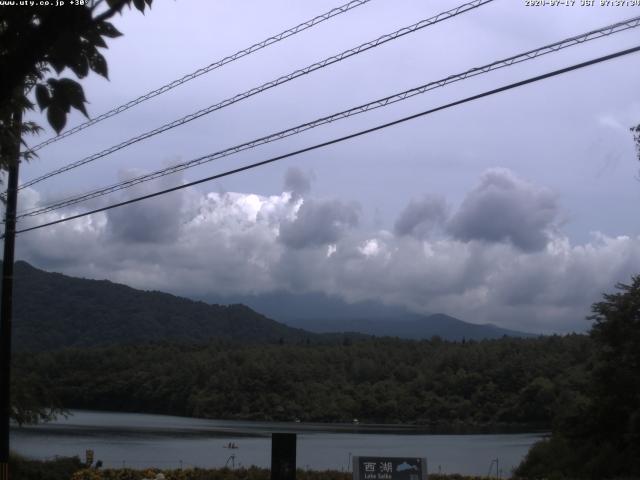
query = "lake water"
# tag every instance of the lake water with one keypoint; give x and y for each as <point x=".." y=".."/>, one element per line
<point x="141" y="440"/>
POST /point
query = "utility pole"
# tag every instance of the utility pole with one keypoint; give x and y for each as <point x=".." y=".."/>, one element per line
<point x="13" y="160"/>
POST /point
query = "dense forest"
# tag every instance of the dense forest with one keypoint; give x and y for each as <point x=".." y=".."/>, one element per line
<point x="521" y="383"/>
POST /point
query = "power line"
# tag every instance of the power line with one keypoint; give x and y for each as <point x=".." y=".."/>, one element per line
<point x="266" y="86"/>
<point x="344" y="138"/>
<point x="213" y="66"/>
<point x="528" y="55"/>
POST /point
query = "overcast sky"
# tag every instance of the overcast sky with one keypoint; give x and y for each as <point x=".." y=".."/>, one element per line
<point x="518" y="209"/>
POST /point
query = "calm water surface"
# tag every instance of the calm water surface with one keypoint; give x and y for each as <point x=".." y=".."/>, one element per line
<point x="140" y="440"/>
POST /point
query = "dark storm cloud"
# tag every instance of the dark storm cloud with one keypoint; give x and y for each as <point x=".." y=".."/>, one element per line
<point x="319" y="223"/>
<point x="297" y="182"/>
<point x="420" y="217"/>
<point x="156" y="221"/>
<point x="504" y="208"/>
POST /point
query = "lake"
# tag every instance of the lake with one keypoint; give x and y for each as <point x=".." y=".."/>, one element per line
<point x="141" y="440"/>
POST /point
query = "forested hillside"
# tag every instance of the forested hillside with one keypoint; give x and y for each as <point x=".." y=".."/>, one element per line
<point x="599" y="436"/>
<point x="54" y="311"/>
<point x="443" y="385"/>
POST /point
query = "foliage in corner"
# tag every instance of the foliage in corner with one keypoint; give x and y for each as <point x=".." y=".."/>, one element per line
<point x="37" y="44"/>
<point x="33" y="398"/>
<point x="602" y="440"/>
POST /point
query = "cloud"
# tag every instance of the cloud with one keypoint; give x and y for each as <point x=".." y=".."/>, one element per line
<point x="211" y="244"/>
<point x="421" y="217"/>
<point x="150" y="221"/>
<point x="505" y="208"/>
<point x="297" y="182"/>
<point x="319" y="223"/>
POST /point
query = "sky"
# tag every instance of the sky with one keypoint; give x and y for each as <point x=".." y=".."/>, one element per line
<point x="519" y="209"/>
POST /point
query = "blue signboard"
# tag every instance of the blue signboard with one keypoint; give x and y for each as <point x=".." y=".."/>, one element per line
<point x="389" y="468"/>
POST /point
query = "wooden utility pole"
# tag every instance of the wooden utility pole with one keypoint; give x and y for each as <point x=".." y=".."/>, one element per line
<point x="6" y="306"/>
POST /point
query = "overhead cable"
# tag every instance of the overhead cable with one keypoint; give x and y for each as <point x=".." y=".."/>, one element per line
<point x="213" y="66"/>
<point x="266" y="86"/>
<point x="521" y="57"/>
<point x="342" y="139"/>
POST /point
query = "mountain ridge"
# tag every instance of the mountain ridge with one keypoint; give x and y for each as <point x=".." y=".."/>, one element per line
<point x="366" y="317"/>
<point x="53" y="310"/>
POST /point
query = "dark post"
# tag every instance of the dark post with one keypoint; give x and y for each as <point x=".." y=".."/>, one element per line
<point x="7" y="296"/>
<point x="283" y="456"/>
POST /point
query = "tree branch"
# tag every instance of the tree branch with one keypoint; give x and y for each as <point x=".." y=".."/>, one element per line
<point x="111" y="11"/>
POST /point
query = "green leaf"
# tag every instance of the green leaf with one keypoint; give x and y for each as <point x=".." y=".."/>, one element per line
<point x="64" y="51"/>
<point x="43" y="97"/>
<point x="57" y="117"/>
<point x="71" y="88"/>
<point x="107" y="30"/>
<point x="98" y="64"/>
<point x="25" y="103"/>
<point x="31" y="128"/>
<point x="94" y="38"/>
<point x="81" y="66"/>
<point x="57" y="64"/>
<point x="72" y="94"/>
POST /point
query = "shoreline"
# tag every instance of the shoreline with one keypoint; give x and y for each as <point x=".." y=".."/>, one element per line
<point x="261" y="428"/>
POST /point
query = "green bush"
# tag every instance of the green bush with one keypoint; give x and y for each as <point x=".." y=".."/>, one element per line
<point x="60" y="468"/>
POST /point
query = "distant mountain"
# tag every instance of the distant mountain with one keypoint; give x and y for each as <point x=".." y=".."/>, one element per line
<point x="52" y="311"/>
<point x="413" y="327"/>
<point x="321" y="313"/>
<point x="293" y="307"/>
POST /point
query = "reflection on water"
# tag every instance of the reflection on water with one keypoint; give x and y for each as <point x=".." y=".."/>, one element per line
<point x="140" y="440"/>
